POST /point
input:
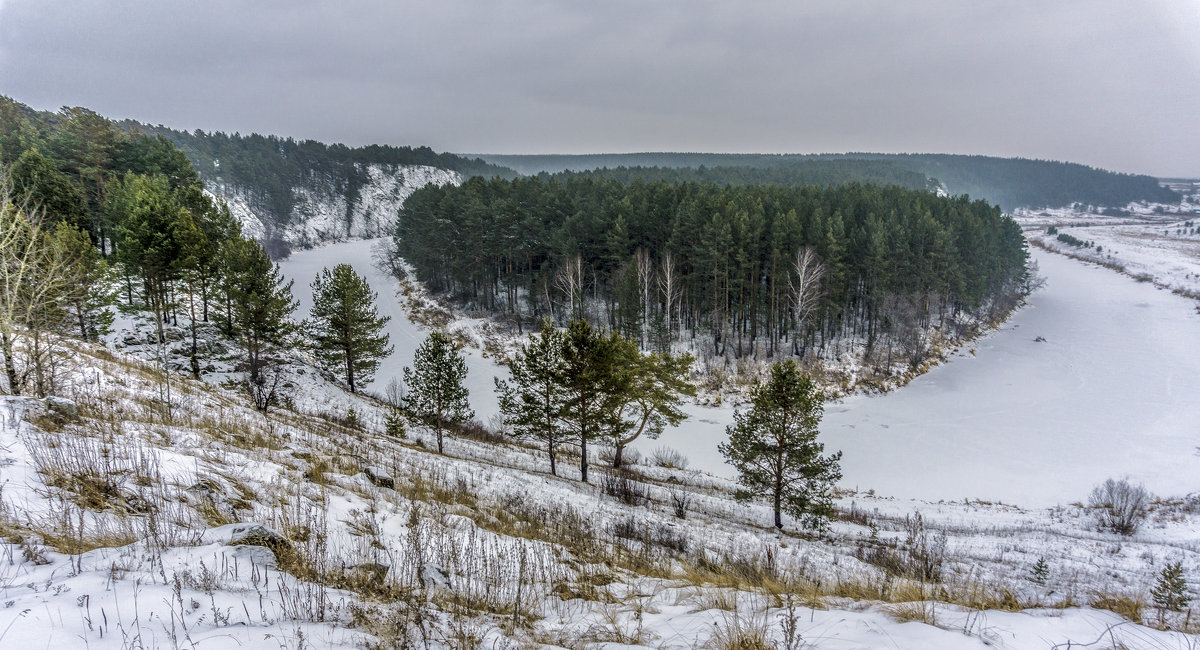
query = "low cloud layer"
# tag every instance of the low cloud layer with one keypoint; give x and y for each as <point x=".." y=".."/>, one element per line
<point x="1111" y="84"/>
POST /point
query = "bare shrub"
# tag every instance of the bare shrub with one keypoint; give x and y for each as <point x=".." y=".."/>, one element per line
<point x="926" y="550"/>
<point x="680" y="500"/>
<point x="1120" y="506"/>
<point x="669" y="458"/>
<point x="738" y="632"/>
<point x="266" y="389"/>
<point x="920" y="557"/>
<point x="621" y="486"/>
<point x="100" y="474"/>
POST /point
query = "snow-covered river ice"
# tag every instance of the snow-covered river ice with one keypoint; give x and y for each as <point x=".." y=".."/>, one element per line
<point x="1112" y="391"/>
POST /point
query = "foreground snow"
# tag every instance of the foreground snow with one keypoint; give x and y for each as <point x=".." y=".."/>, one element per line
<point x="157" y="568"/>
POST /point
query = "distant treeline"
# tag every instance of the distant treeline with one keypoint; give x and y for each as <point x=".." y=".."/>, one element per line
<point x="805" y="172"/>
<point x="665" y="257"/>
<point x="1009" y="182"/>
<point x="268" y="169"/>
<point x="1017" y="182"/>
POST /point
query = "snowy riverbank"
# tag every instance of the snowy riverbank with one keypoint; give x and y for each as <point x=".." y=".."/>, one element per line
<point x="1109" y="392"/>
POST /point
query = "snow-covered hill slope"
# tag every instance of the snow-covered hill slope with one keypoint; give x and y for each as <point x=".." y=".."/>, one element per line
<point x="128" y="523"/>
<point x="322" y="214"/>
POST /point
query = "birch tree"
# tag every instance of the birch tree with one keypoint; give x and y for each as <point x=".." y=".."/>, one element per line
<point x="807" y="273"/>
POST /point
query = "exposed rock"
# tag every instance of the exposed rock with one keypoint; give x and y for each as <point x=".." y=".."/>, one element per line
<point x="379" y="478"/>
<point x="260" y="535"/>
<point x="434" y="576"/>
<point x="62" y="407"/>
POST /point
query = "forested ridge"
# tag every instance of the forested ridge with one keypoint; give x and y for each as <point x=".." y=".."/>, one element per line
<point x="750" y="268"/>
<point x="94" y="215"/>
<point x="806" y="172"/>
<point x="1008" y="182"/>
<point x="269" y="168"/>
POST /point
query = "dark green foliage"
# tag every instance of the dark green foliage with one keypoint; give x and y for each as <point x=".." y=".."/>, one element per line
<point x="773" y="446"/>
<point x="591" y="386"/>
<point x="346" y="330"/>
<point x="435" y="384"/>
<point x="801" y="172"/>
<point x="86" y="291"/>
<point x="393" y="425"/>
<point x="534" y="247"/>
<point x="1073" y="241"/>
<point x="1170" y="591"/>
<point x="594" y="385"/>
<point x="532" y="402"/>
<point x="1040" y="571"/>
<point x="146" y="215"/>
<point x="35" y="177"/>
<point x="261" y="303"/>
<point x="657" y="385"/>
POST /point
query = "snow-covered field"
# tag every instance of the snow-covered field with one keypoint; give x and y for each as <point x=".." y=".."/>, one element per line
<point x="468" y="540"/>
<point x="1166" y="254"/>
<point x="1152" y="242"/>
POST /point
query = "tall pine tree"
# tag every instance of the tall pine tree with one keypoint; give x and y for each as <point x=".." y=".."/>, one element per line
<point x="773" y="446"/>
<point x="260" y="301"/>
<point x="435" y="384"/>
<point x="533" y="403"/>
<point x="594" y="384"/>
<point x="346" y="329"/>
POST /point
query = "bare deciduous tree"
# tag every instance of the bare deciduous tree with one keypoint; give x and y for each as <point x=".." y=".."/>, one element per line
<point x="807" y="273"/>
<point x="668" y="282"/>
<point x="32" y="275"/>
<point x="645" y="274"/>
<point x="569" y="280"/>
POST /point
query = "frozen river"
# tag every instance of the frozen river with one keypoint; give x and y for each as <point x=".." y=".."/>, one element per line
<point x="1114" y="390"/>
<point x="303" y="266"/>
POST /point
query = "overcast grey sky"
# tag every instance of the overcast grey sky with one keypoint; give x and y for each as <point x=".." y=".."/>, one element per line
<point x="1108" y="83"/>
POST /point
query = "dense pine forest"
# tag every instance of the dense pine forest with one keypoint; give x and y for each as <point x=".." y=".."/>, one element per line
<point x="94" y="216"/>
<point x="747" y="270"/>
<point x="270" y="168"/>
<point x="1008" y="182"/>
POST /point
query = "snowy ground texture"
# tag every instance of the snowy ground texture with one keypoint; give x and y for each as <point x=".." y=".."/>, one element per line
<point x="1154" y="243"/>
<point x="131" y="524"/>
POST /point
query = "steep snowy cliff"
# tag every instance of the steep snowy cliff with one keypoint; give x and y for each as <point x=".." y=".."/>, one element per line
<point x="323" y="214"/>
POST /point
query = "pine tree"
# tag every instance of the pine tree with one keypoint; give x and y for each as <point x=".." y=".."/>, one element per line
<point x="1170" y="591"/>
<point x="435" y="384"/>
<point x="657" y="385"/>
<point x="346" y="330"/>
<point x="261" y="303"/>
<point x="1040" y="571"/>
<point x="594" y="385"/>
<point x="533" y="403"/>
<point x="773" y="446"/>
<point x="35" y="177"/>
<point x="86" y="292"/>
